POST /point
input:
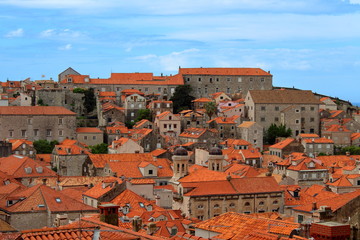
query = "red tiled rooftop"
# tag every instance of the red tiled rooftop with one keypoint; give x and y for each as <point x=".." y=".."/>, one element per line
<point x="35" y="110"/>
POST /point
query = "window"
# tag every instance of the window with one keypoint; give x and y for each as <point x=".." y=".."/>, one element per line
<point x="175" y="125"/>
<point x="302" y="108"/>
<point x="210" y="80"/>
<point x="276" y="108"/>
<point x="262" y="119"/>
<point x="276" y="119"/>
<point x="159" y="89"/>
<point x="132" y="105"/>
<point x="232" y="205"/>
<point x="297" y="110"/>
<point x="60" y="121"/>
<point x="188" y="79"/>
<point x="23" y="133"/>
<point x="300" y="218"/>
<point x="94" y="137"/>
<point x="85" y="137"/>
<point x="263" y="108"/>
<point x="217" y="79"/>
<point x="261" y="203"/>
<point x="165" y="125"/>
<point x="146" y="89"/>
<point x="239" y="79"/>
<point x="36" y="132"/>
<point x="61" y="133"/>
<point x="262" y="79"/>
<point x="199" y="79"/>
<point x="216" y="206"/>
<point x="150" y="172"/>
<point x="312" y="119"/>
<point x="199" y="90"/>
<point x="29" y="121"/>
<point x="312" y="108"/>
<point x="11" y="133"/>
<point x="275" y="202"/>
<point x="206" y="90"/>
<point x="201" y="217"/>
<point x="132" y="114"/>
<point x="216" y="89"/>
<point x="200" y="206"/>
<point x="297" y="121"/>
<point x="251" y="79"/>
<point x="228" y="79"/>
<point x="58" y="200"/>
<point x="247" y="204"/>
<point x="69" y="80"/>
<point x="48" y="132"/>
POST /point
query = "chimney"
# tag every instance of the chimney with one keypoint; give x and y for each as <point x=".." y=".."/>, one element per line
<point x="136" y="223"/>
<point x="44" y="181"/>
<point x="151" y="228"/>
<point x="314" y="206"/>
<point x="228" y="177"/>
<point x="347" y="153"/>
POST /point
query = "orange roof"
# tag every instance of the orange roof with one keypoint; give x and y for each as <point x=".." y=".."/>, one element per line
<point x="334" y="203"/>
<point x="283" y="144"/>
<point x="241" y="170"/>
<point x="225" y="120"/>
<point x="141" y="122"/>
<point x="336" y="128"/>
<point x="304" y="165"/>
<point x="250" y="153"/>
<point x="142" y="181"/>
<point x="158" y="152"/>
<point x="107" y="94"/>
<point x="336" y="113"/>
<point x="199" y="173"/>
<point x="224" y="71"/>
<point x="233" y="225"/>
<point x="202" y="100"/>
<point x="102" y="188"/>
<point x="110" y="106"/>
<point x="24" y="167"/>
<point x="70" y="150"/>
<point x="43" y="157"/>
<point x="88" y="130"/>
<point x="308" y="135"/>
<point x="18" y="142"/>
<point x="246" y="124"/>
<point x="195" y="132"/>
<point x="355" y="136"/>
<point x="40" y="195"/>
<point x="35" y="110"/>
<point x="117" y="130"/>
<point x="319" y="140"/>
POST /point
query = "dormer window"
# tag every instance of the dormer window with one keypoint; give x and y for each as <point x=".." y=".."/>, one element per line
<point x="150" y="172"/>
<point x="58" y="200"/>
<point x="69" y="80"/>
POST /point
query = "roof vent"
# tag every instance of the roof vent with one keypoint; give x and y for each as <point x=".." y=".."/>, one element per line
<point x="28" y="170"/>
<point x="39" y="169"/>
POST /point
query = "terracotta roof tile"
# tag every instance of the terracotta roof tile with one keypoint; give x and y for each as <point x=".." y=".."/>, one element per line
<point x="224" y="71"/>
<point x="88" y="130"/>
<point x="283" y="144"/>
<point x="283" y="96"/>
<point x="34" y="110"/>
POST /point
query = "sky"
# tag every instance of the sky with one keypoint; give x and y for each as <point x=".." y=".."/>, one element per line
<point x="306" y="44"/>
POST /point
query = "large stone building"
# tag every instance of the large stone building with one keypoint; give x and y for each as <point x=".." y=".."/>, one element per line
<point x="298" y="110"/>
<point x="206" y="81"/>
<point x="37" y="122"/>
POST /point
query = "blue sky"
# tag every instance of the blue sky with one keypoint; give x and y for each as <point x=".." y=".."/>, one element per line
<point x="309" y="44"/>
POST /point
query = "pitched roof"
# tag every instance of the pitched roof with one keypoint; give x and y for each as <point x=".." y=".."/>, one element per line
<point x="24" y="167"/>
<point x="334" y="203"/>
<point x="233" y="225"/>
<point x="336" y="128"/>
<point x="35" y="110"/>
<point x="224" y="71"/>
<point x="102" y="188"/>
<point x="319" y="140"/>
<point x="18" y="142"/>
<point x="88" y="130"/>
<point x="283" y="96"/>
<point x="42" y="198"/>
<point x="283" y="144"/>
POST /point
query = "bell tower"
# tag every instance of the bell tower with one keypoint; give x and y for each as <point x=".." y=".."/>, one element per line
<point x="181" y="163"/>
<point x="215" y="160"/>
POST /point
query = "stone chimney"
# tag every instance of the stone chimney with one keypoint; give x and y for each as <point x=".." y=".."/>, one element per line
<point x="109" y="213"/>
<point x="136" y="223"/>
<point x="151" y="228"/>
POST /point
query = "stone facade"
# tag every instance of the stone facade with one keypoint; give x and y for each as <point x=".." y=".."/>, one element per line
<point x="251" y="132"/>
<point x="206" y="81"/>
<point x="298" y="110"/>
<point x="132" y="104"/>
<point x="35" y="123"/>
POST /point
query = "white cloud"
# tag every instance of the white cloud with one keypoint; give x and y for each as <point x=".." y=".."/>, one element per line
<point x="61" y="34"/>
<point x="16" y="33"/>
<point x="66" y="47"/>
<point x="171" y="61"/>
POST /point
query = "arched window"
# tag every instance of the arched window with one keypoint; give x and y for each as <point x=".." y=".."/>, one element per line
<point x="216" y="206"/>
<point x="261" y="203"/>
<point x="232" y="205"/>
<point x="275" y="202"/>
<point x="247" y="204"/>
<point x="200" y="206"/>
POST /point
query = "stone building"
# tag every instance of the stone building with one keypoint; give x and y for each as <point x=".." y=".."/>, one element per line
<point x="132" y="104"/>
<point x="164" y="86"/>
<point x="192" y="119"/>
<point x="205" y="81"/>
<point x="37" y="122"/>
<point x="89" y="136"/>
<point x="23" y="147"/>
<point x="298" y="110"/>
<point x="159" y="106"/>
<point x="225" y="126"/>
<point x="252" y="132"/>
<point x="168" y="123"/>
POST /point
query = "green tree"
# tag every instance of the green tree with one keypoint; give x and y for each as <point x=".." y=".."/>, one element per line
<point x="79" y="90"/>
<point x="352" y="150"/>
<point x="44" y="146"/>
<point x="89" y="100"/>
<point x="275" y="131"/>
<point x="101" y="148"/>
<point x="182" y="99"/>
<point x="211" y="109"/>
<point x="143" y="114"/>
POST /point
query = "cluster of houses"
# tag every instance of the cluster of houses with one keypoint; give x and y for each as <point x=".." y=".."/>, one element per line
<point x="190" y="174"/>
